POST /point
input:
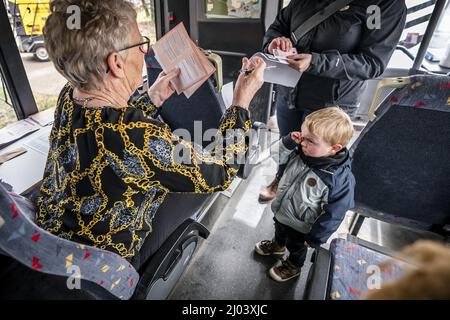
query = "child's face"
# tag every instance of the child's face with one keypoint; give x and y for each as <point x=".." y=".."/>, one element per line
<point x="314" y="146"/>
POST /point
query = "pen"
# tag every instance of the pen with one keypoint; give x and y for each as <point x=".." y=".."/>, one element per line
<point x="247" y="71"/>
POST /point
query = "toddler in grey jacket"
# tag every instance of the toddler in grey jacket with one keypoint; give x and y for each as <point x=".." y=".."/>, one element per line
<point x="315" y="192"/>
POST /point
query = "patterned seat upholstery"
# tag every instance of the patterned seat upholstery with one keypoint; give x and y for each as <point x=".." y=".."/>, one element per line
<point x="425" y="92"/>
<point x="355" y="266"/>
<point x="37" y="249"/>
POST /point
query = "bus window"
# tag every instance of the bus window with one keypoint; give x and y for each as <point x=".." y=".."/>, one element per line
<point x="7" y="114"/>
<point x="441" y="37"/>
<point x="419" y="13"/>
<point x="224" y="9"/>
<point x="27" y="19"/>
<point x="146" y="18"/>
<point x="414" y="29"/>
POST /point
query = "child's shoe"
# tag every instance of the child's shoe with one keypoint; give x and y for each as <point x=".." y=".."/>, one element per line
<point x="286" y="271"/>
<point x="268" y="248"/>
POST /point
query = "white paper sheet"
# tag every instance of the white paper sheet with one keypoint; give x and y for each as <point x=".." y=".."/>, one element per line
<point x="227" y="94"/>
<point x="16" y="130"/>
<point x="177" y="50"/>
<point x="40" y="141"/>
<point x="279" y="72"/>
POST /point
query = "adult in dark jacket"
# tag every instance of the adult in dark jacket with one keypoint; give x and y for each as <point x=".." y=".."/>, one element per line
<point x="336" y="58"/>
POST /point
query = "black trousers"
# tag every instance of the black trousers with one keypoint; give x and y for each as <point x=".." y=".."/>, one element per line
<point x="294" y="242"/>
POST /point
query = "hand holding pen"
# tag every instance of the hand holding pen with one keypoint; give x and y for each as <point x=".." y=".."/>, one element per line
<point x="249" y="82"/>
<point x="247" y="71"/>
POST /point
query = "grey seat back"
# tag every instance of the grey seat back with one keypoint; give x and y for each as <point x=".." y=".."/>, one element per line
<point x="201" y="112"/>
<point x="203" y="109"/>
<point x="23" y="240"/>
<point x="401" y="160"/>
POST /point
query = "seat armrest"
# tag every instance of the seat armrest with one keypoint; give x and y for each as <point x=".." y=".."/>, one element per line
<point x="257" y="136"/>
<point x="160" y="264"/>
<point x="319" y="276"/>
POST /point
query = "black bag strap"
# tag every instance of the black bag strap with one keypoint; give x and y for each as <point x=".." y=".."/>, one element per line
<point x="318" y="18"/>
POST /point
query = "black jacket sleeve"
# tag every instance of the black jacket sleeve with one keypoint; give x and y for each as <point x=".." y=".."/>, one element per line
<point x="280" y="27"/>
<point x="340" y="200"/>
<point x="373" y="54"/>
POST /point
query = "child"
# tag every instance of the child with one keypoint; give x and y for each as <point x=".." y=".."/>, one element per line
<point x="316" y="189"/>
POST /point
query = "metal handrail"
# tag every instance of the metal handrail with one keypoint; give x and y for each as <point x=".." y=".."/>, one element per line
<point x="399" y="82"/>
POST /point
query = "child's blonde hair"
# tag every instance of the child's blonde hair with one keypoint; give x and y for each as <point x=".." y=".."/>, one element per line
<point x="333" y="125"/>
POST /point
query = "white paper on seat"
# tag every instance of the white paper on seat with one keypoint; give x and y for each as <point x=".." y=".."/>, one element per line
<point x="278" y="71"/>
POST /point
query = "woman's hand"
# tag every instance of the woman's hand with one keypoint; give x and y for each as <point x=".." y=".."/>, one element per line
<point x="300" y="62"/>
<point x="248" y="84"/>
<point x="162" y="89"/>
<point x="282" y="43"/>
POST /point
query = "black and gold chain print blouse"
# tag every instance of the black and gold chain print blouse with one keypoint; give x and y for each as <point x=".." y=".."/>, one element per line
<point x="108" y="171"/>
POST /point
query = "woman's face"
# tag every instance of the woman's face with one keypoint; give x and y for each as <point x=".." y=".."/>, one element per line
<point x="134" y="61"/>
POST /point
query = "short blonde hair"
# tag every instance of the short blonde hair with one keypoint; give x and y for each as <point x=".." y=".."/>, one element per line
<point x="80" y="55"/>
<point x="333" y="125"/>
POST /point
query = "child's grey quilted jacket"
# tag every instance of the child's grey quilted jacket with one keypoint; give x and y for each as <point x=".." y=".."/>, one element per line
<point x="310" y="200"/>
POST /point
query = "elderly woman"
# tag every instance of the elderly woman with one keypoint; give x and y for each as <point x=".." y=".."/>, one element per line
<point x="111" y="163"/>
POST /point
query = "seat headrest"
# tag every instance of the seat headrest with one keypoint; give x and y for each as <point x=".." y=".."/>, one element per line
<point x="431" y="92"/>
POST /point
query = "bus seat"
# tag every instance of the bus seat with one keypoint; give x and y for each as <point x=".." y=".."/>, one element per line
<point x="172" y="243"/>
<point x="23" y="240"/>
<point x="168" y="218"/>
<point x="204" y="110"/>
<point x="398" y="159"/>
<point x="205" y="106"/>
<point x="401" y="172"/>
<point x="105" y="275"/>
<point x="344" y="271"/>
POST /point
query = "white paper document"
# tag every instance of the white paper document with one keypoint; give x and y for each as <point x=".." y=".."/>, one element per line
<point x="40" y="141"/>
<point x="176" y="50"/>
<point x="278" y="71"/>
<point x="16" y="130"/>
<point x="282" y="55"/>
<point x="227" y="93"/>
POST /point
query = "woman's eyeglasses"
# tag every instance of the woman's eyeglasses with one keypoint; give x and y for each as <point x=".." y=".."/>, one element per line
<point x="144" y="45"/>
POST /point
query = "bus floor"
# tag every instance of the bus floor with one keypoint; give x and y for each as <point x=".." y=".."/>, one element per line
<point x="226" y="266"/>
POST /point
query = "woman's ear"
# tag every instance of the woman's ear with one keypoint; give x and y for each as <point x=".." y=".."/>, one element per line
<point x="116" y="65"/>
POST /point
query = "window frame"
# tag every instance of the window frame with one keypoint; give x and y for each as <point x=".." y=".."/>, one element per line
<point x="13" y="71"/>
<point x="202" y="17"/>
